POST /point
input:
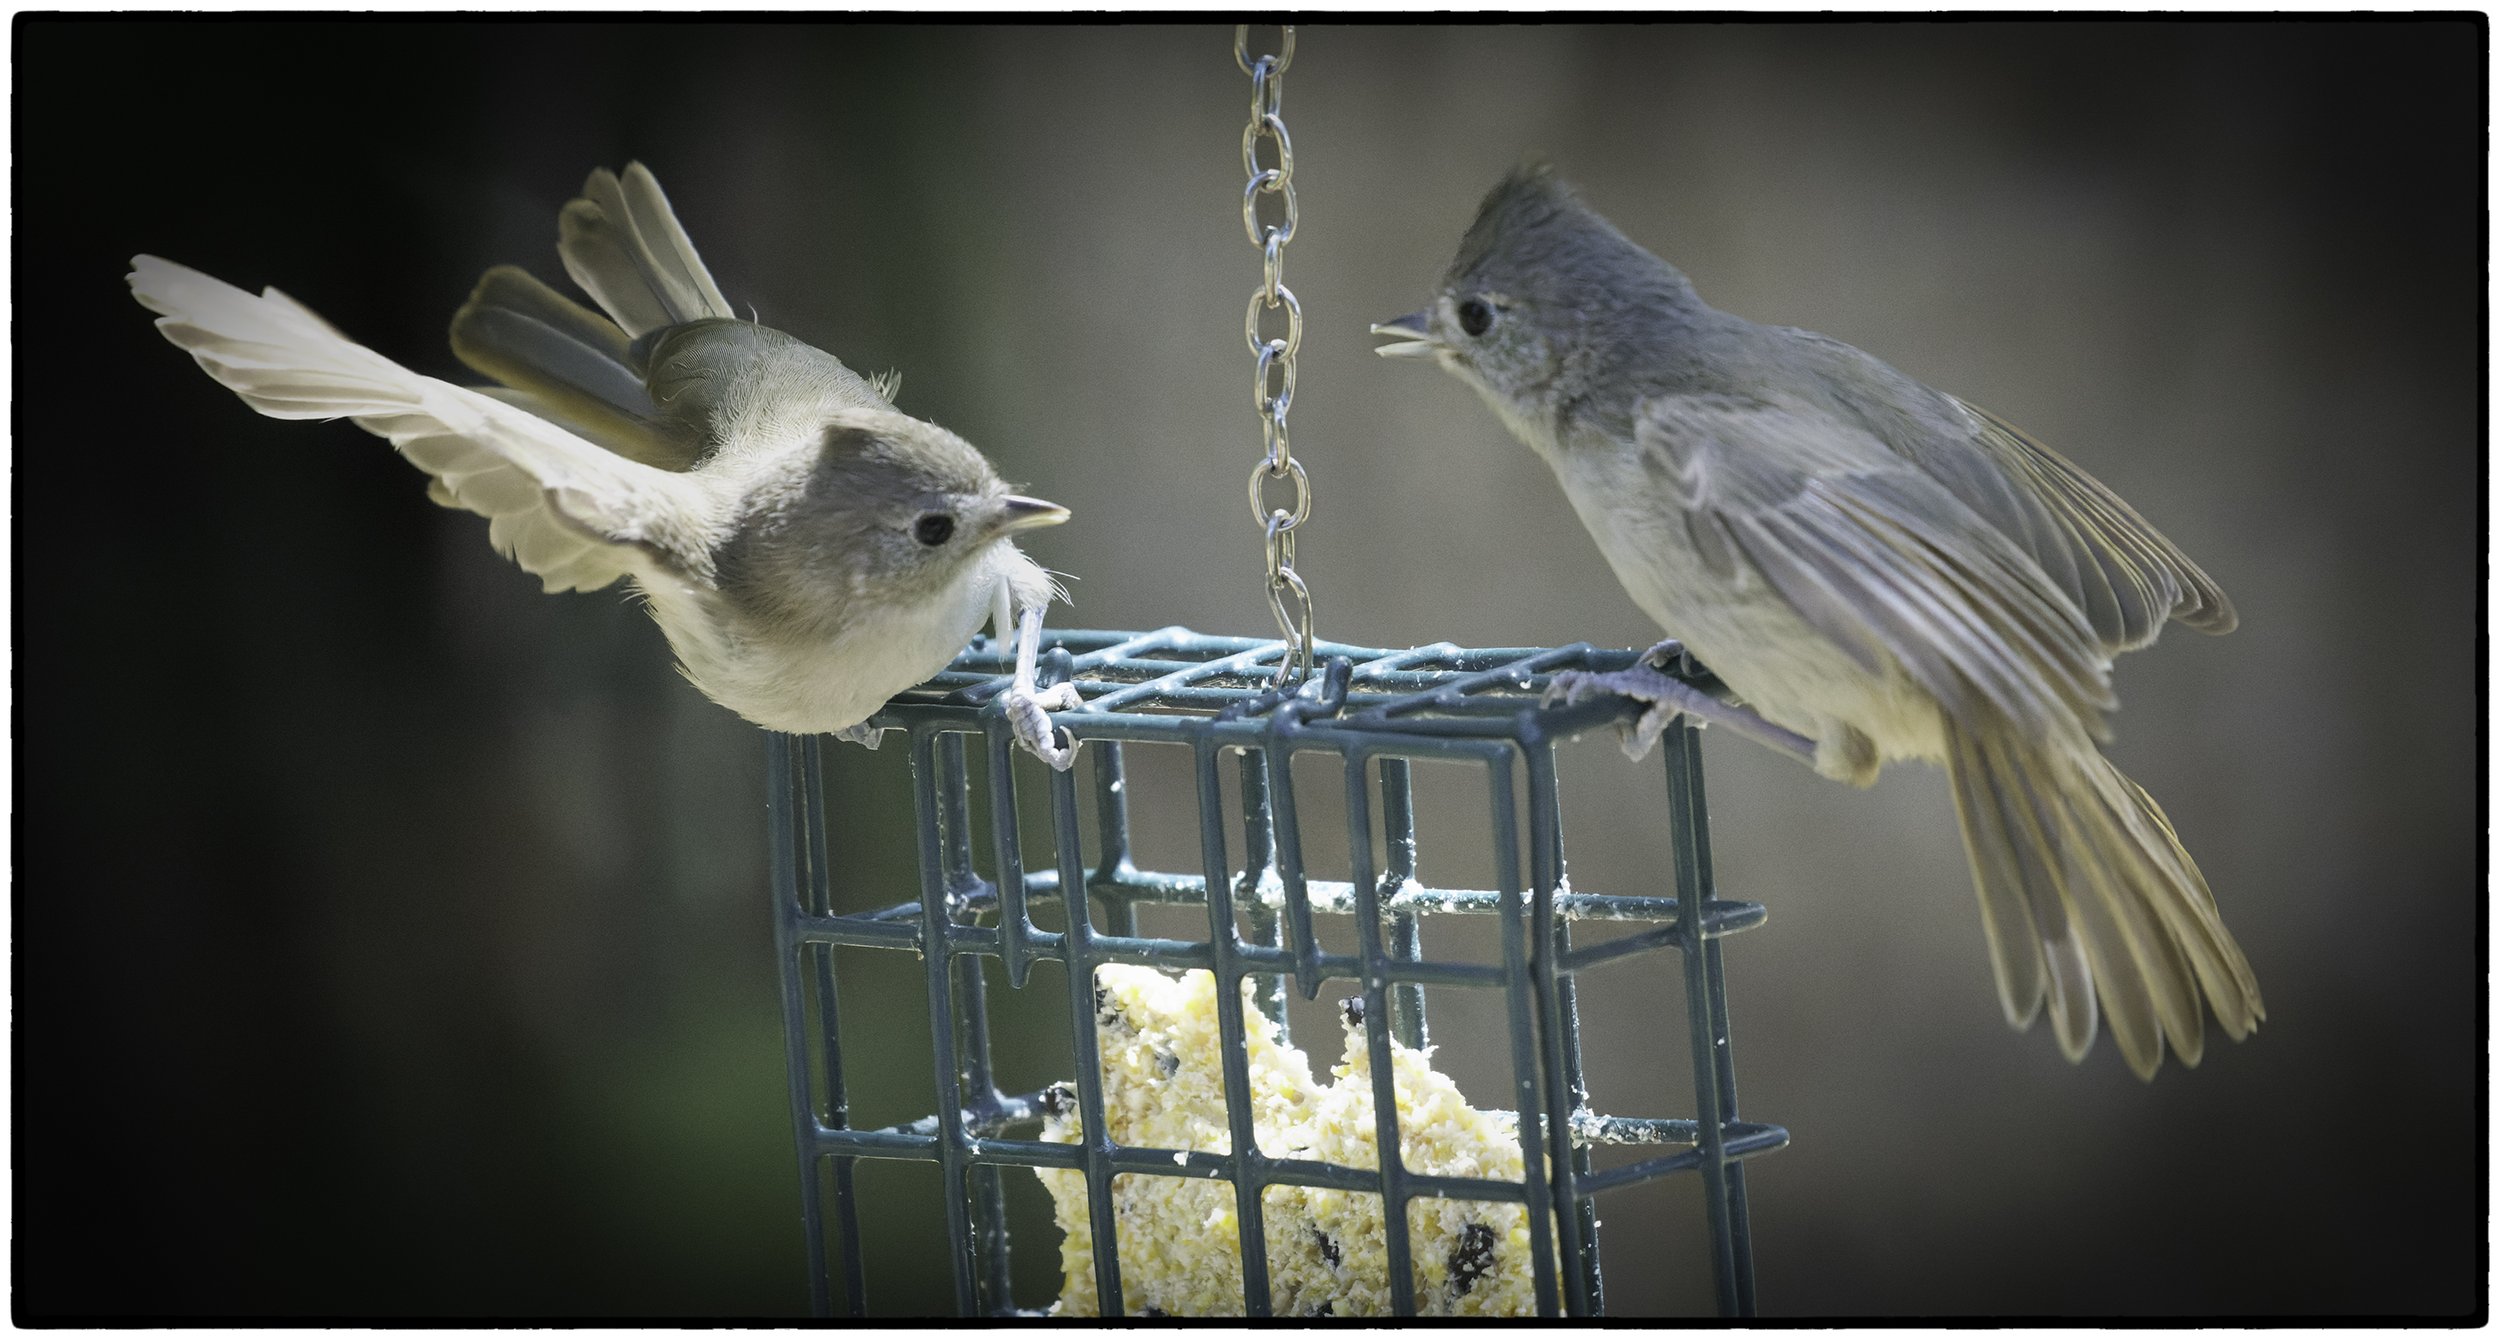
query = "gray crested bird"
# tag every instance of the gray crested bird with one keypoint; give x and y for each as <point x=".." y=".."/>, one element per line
<point x="1873" y="564"/>
<point x="808" y="549"/>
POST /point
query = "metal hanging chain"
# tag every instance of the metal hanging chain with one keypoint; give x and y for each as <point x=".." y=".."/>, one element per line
<point x="1272" y="390"/>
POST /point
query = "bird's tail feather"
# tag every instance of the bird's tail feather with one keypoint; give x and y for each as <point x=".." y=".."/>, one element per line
<point x="622" y="243"/>
<point x="2084" y="890"/>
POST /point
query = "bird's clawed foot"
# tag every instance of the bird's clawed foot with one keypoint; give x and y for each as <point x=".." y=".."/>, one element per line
<point x="1028" y="714"/>
<point x="1028" y="708"/>
<point x="863" y="735"/>
<point x="1639" y="683"/>
<point x="1645" y="681"/>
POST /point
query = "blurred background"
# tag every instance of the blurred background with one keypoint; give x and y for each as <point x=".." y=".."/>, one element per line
<point x="393" y="939"/>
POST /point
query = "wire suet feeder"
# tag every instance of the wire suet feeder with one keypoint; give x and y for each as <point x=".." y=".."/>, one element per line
<point x="1250" y="708"/>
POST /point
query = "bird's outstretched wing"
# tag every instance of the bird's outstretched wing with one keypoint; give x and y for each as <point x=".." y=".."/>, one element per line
<point x="667" y="375"/>
<point x="565" y="363"/>
<point x="1879" y="558"/>
<point x="622" y="243"/>
<point x="572" y="513"/>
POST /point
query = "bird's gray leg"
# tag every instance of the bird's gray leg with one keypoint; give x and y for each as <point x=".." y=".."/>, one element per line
<point x="1670" y="698"/>
<point x="1029" y="708"/>
<point x="863" y="735"/>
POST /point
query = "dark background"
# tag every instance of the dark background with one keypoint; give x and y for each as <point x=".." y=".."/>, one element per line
<point x="391" y="939"/>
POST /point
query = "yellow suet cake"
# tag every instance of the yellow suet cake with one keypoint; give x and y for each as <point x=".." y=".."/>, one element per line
<point x="1180" y="1244"/>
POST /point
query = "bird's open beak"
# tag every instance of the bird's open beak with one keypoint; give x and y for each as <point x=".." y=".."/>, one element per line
<point x="1017" y="512"/>
<point x="1415" y="330"/>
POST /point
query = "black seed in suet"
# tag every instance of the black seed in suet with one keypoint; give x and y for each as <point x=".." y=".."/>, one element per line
<point x="1472" y="1258"/>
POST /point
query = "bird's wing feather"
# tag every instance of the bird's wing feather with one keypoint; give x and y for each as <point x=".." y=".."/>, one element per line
<point x="1878" y="557"/>
<point x="622" y="243"/>
<point x="567" y="364"/>
<point x="2149" y="578"/>
<point x="570" y="512"/>
<point x="2120" y="572"/>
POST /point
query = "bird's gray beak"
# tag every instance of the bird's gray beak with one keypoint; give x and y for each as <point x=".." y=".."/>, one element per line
<point x="1016" y="512"/>
<point x="1415" y="330"/>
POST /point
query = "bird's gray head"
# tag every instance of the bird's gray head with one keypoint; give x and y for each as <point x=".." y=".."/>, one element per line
<point x="889" y="511"/>
<point x="1542" y="298"/>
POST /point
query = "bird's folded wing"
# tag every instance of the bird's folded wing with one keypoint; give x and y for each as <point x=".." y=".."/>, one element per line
<point x="2113" y="566"/>
<point x="568" y="511"/>
<point x="1878" y="557"/>
<point x="2107" y="544"/>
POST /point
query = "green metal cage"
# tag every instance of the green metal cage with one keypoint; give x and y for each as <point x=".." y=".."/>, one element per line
<point x="1375" y="712"/>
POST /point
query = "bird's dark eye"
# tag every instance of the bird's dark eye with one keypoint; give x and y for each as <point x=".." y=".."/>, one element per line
<point x="1475" y="316"/>
<point x="934" y="529"/>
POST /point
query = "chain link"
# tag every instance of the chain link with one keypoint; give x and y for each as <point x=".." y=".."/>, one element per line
<point x="1272" y="391"/>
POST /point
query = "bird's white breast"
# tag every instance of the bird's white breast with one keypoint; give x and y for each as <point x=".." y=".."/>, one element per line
<point x="834" y="680"/>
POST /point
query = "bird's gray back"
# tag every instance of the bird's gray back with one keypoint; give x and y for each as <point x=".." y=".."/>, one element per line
<point x="738" y="385"/>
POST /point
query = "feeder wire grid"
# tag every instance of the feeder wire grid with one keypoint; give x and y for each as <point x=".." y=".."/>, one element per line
<point x="1174" y="686"/>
